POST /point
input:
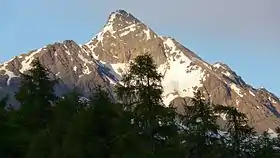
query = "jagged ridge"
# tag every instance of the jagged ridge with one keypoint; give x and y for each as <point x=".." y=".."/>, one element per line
<point x="105" y="58"/>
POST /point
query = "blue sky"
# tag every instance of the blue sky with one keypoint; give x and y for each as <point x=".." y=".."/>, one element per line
<point x="243" y="34"/>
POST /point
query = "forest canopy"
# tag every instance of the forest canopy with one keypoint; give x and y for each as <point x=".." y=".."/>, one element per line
<point x="137" y="125"/>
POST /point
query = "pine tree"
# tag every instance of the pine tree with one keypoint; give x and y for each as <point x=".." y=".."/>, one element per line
<point x="40" y="146"/>
<point x="98" y="130"/>
<point x="142" y="84"/>
<point x="36" y="94"/>
<point x="277" y="140"/>
<point x="48" y="143"/>
<point x="277" y="130"/>
<point x="200" y="128"/>
<point x="141" y="92"/>
<point x="265" y="147"/>
<point x="241" y="134"/>
<point x="10" y="139"/>
<point x="4" y="143"/>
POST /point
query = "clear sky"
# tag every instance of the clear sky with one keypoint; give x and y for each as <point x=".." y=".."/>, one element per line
<point x="245" y="34"/>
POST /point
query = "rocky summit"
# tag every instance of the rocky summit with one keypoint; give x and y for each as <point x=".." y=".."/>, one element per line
<point x="105" y="57"/>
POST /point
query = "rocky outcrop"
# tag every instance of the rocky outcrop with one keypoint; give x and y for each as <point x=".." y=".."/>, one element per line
<point x="104" y="58"/>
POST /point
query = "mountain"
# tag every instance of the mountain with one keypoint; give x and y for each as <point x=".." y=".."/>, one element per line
<point x="104" y="58"/>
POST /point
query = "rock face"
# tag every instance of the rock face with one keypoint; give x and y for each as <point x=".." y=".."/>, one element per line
<point x="104" y="59"/>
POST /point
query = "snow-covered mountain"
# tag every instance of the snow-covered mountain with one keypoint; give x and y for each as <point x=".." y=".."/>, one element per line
<point x="104" y="58"/>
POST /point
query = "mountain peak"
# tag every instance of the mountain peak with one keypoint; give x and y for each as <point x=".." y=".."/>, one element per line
<point x="104" y="59"/>
<point x="221" y="65"/>
<point x="122" y="13"/>
<point x="119" y="23"/>
<point x="126" y="34"/>
<point x="122" y="16"/>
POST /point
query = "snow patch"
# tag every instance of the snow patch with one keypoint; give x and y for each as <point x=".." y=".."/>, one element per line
<point x="110" y="80"/>
<point x="226" y="73"/>
<point x="102" y="62"/>
<point x="272" y="133"/>
<point x="28" y="60"/>
<point x="85" y="60"/>
<point x="67" y="52"/>
<point x="9" y="73"/>
<point x="272" y="100"/>
<point x="148" y="34"/>
<point x="252" y="93"/>
<point x="91" y="47"/>
<point x="236" y="89"/>
<point x="179" y="79"/>
<point x="95" y="56"/>
<point x="75" y="68"/>
<point x="180" y="76"/>
<point x="120" y="68"/>
<point x="171" y="45"/>
<point x="217" y="65"/>
<point x="128" y="29"/>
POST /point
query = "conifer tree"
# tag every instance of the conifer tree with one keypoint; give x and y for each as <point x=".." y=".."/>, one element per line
<point x="142" y="93"/>
<point x="277" y="130"/>
<point x="10" y="140"/>
<point x="48" y="142"/>
<point x="265" y="147"/>
<point x="4" y="143"/>
<point x="138" y="125"/>
<point x="36" y="94"/>
<point x="98" y="130"/>
<point x="142" y="83"/>
<point x="277" y="140"/>
<point x="200" y="128"/>
<point x="241" y="134"/>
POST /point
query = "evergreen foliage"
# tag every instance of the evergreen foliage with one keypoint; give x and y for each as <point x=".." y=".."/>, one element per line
<point x="36" y="94"/>
<point x="137" y="125"/>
